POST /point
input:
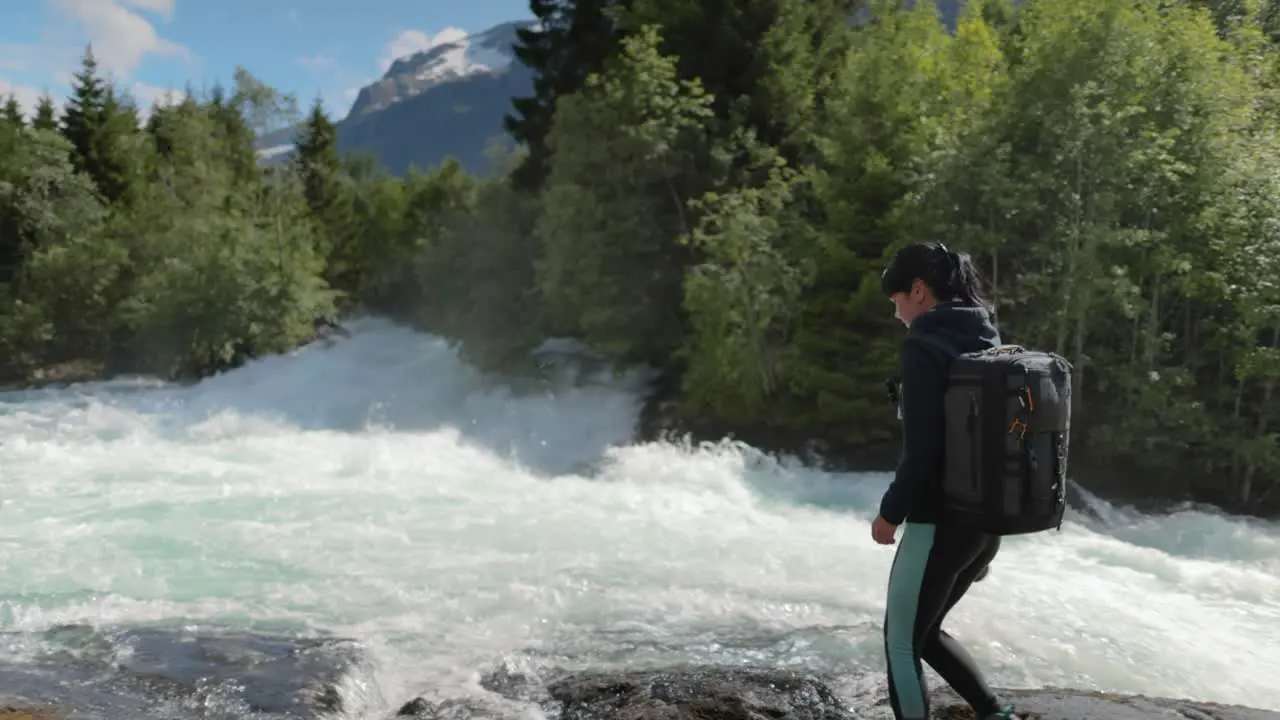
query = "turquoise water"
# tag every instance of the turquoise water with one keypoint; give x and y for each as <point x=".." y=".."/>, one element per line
<point x="379" y="489"/>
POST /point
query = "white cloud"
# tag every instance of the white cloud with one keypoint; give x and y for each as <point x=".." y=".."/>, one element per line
<point x="121" y="38"/>
<point x="145" y="95"/>
<point x="164" y="8"/>
<point x="39" y="57"/>
<point x="27" y="96"/>
<point x="408" y="42"/>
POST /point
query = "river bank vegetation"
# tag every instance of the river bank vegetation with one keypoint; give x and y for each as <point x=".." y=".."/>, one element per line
<point x="715" y="193"/>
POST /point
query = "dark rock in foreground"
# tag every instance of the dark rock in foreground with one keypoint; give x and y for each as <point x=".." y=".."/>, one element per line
<point x="17" y="708"/>
<point x="1060" y="704"/>
<point x="729" y="694"/>
<point x="204" y="673"/>
<point x="85" y="673"/>
<point x="711" y="693"/>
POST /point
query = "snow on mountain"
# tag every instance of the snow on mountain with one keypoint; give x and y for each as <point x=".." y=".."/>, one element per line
<point x="452" y="56"/>
<point x="438" y="79"/>
<point x="268" y="153"/>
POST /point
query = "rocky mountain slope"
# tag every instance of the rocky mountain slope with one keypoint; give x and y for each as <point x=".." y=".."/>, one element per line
<point x="448" y="100"/>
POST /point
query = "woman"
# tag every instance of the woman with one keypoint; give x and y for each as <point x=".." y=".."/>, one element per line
<point x="934" y="292"/>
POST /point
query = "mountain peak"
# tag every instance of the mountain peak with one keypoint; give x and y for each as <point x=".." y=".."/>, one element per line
<point x="454" y="56"/>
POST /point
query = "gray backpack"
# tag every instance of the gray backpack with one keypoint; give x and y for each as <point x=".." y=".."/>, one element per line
<point x="1008" y="427"/>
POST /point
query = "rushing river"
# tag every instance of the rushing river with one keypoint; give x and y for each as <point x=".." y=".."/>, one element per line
<point x="378" y="489"/>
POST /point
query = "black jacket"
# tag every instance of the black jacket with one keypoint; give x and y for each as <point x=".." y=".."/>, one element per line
<point x="913" y="494"/>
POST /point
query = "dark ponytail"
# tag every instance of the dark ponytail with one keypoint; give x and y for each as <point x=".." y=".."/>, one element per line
<point x="949" y="275"/>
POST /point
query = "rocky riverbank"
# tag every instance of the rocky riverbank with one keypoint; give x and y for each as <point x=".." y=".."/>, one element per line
<point x="718" y="693"/>
<point x="193" y="672"/>
<point x="23" y="709"/>
<point x="77" y="672"/>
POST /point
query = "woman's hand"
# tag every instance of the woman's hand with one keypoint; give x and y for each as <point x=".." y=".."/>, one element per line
<point x="882" y="531"/>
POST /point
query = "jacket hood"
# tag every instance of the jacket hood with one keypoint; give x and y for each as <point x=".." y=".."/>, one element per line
<point x="968" y="327"/>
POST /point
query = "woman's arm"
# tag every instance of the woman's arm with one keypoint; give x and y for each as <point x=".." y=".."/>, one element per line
<point x="923" y="384"/>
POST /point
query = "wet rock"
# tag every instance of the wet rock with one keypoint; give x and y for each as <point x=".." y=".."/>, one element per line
<point x="327" y="331"/>
<point x="504" y="694"/>
<point x="1063" y="704"/>
<point x="29" y="713"/>
<point x="521" y="684"/>
<point x="466" y="708"/>
<point x="20" y="708"/>
<point x="179" y="672"/>
<point x="417" y="707"/>
<point x="718" y="693"/>
<point x="453" y="709"/>
<point x="710" y="693"/>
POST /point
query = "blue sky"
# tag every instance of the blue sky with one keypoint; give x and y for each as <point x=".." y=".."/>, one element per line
<point x="309" y="47"/>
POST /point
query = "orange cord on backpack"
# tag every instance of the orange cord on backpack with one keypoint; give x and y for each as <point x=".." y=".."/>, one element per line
<point x="1031" y="407"/>
<point x="1017" y="423"/>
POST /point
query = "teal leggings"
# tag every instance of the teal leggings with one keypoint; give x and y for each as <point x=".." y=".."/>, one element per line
<point x="933" y="568"/>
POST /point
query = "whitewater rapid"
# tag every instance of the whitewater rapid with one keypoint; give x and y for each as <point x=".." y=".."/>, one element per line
<point x="380" y="489"/>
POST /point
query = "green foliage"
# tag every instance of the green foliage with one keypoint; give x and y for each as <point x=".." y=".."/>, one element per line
<point x="329" y="199"/>
<point x="51" y="273"/>
<point x="1109" y="191"/>
<point x="905" y="94"/>
<point x="1110" y="164"/>
<point x="220" y="274"/>
<point x="100" y="129"/>
<point x="572" y="39"/>
<point x="743" y="296"/>
<point x="769" y="66"/>
<point x="622" y="155"/>
<point x="12" y="112"/>
<point x="713" y="188"/>
<point x="46" y="114"/>
<point x="480" y="280"/>
<point x="154" y="250"/>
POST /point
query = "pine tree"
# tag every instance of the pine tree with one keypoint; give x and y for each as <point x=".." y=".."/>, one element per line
<point x="166" y="121"/>
<point x="572" y="40"/>
<point x="83" y="114"/>
<point x="770" y="64"/>
<point x="236" y="135"/>
<point x="46" y="116"/>
<point x="326" y="194"/>
<point x="98" y="124"/>
<point x="317" y="158"/>
<point x="12" y="111"/>
<point x="614" y="204"/>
